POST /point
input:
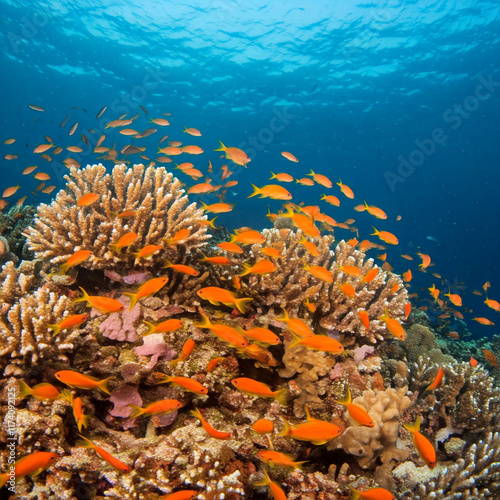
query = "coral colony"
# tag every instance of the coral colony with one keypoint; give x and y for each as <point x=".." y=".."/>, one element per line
<point x="151" y="357"/>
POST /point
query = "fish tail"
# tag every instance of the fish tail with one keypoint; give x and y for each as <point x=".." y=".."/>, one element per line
<point x="84" y="297"/>
<point x="196" y="413"/>
<point x="256" y="191"/>
<point x="115" y="247"/>
<point x="273" y="175"/>
<point x="62" y="270"/>
<point x="355" y="494"/>
<point x="84" y="442"/>
<point x="137" y="411"/>
<point x="247" y="269"/>
<point x="133" y="299"/>
<point x="25" y="389"/>
<point x="151" y="328"/>
<point x="56" y="329"/>
<point x="298" y="465"/>
<point x="221" y="148"/>
<point x="413" y="428"/>
<point x="211" y="222"/>
<point x="288" y="428"/>
<point x="264" y="482"/>
<point x="103" y="385"/>
<point x="66" y="395"/>
<point x="241" y="303"/>
<point x="375" y="233"/>
<point x="347" y="400"/>
<point x="166" y="379"/>
<point x="84" y="422"/>
<point x="3" y="479"/>
<point x="311" y="173"/>
<point x="281" y="396"/>
<point x="205" y="322"/>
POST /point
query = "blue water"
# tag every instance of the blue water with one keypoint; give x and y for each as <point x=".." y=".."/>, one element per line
<point x="352" y="89"/>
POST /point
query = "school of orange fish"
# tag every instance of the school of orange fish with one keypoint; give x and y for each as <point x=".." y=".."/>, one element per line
<point x="253" y="341"/>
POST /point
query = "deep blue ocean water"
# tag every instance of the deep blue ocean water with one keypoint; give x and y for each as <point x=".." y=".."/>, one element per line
<point x="401" y="100"/>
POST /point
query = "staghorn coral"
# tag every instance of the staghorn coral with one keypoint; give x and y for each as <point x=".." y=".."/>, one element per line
<point x="371" y="443"/>
<point x="420" y="340"/>
<point x="475" y="476"/>
<point x="160" y="210"/>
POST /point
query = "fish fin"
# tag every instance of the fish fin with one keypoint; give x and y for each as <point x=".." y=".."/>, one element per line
<point x="137" y="411"/>
<point x="413" y="428"/>
<point x="256" y="191"/>
<point x="83" y="298"/>
<point x="150" y="330"/>
<point x="103" y="385"/>
<point x="285" y="316"/>
<point x="355" y="494"/>
<point x="246" y="268"/>
<point x="241" y="303"/>
<point x="36" y="472"/>
<point x="273" y="176"/>
<point x="346" y="401"/>
<point x="66" y="395"/>
<point x="281" y="396"/>
<point x="263" y="482"/>
<point x="221" y="148"/>
<point x="205" y="322"/>
<point x="287" y="430"/>
<point x="311" y="173"/>
<point x="166" y="379"/>
<point x="308" y="414"/>
<point x="196" y="413"/>
<point x="84" y="442"/>
<point x="298" y="465"/>
<point x="114" y="247"/>
<point x="25" y="389"/>
<point x="56" y="329"/>
<point x="133" y="299"/>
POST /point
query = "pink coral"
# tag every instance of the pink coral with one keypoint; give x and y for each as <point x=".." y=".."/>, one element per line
<point x="122" y="398"/>
<point x="360" y="353"/>
<point x="156" y="347"/>
<point x="120" y="326"/>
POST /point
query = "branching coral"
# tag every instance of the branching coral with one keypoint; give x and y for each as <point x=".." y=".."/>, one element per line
<point x="155" y="198"/>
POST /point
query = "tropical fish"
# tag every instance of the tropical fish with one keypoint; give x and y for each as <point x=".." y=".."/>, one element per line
<point x="213" y="363"/>
<point x="407" y="310"/>
<point x="437" y="380"/>
<point x="393" y="325"/>
<point x="358" y="413"/>
<point x="256" y="388"/>
<point x="216" y="296"/>
<point x="311" y="248"/>
<point x="125" y="241"/>
<point x="319" y="272"/>
<point x="495" y="305"/>
<point x="76" y="379"/>
<point x="483" y="321"/>
<point x="216" y="259"/>
<point x="192" y="150"/>
<point x="370" y="275"/>
<point x="230" y="247"/>
<point x="82" y="420"/>
<point x="180" y="495"/>
<point x="104" y="305"/>
<point x="318" y="343"/>
<point x="210" y="430"/>
<point x="179" y="236"/>
<point x="371" y="494"/>
<point x="262" y="335"/>
<point x="273" y="191"/>
<point x="473" y="362"/>
<point x="423" y="445"/>
<point x="375" y="211"/>
<point x="10" y="191"/>
<point x="247" y="237"/>
<point x="365" y="319"/>
<point x="333" y="200"/>
<point x="164" y="327"/>
<point x="87" y="199"/>
<point x="321" y="179"/>
<point x="218" y="208"/>
<point x="276" y="491"/>
<point x="455" y="299"/>
<point x="146" y="251"/>
<point x="282" y="177"/>
<point x="296" y="325"/>
<point x="289" y="156"/>
<point x="407" y="276"/>
<point x="236" y="155"/>
<point x="272" y="457"/>
<point x="70" y="322"/>
<point x="41" y="176"/>
<point x="426" y="260"/>
<point x="146" y="289"/>
<point x="186" y="350"/>
<point x="186" y="383"/>
<point x="385" y="236"/>
<point x="346" y="190"/>
<point x="305" y="181"/>
<point x="223" y="332"/>
<point x="30" y="465"/>
<point x="348" y="289"/>
<point x="310" y="306"/>
<point x="351" y="270"/>
<point x="160" y="121"/>
<point x="263" y="426"/>
<point x="117" y="464"/>
<point x="39" y="391"/>
<point x="489" y="356"/>
<point x="316" y="431"/>
<point x="434" y="291"/>
<point x="192" y="131"/>
<point x="181" y="268"/>
<point x="163" y="406"/>
<point x="261" y="267"/>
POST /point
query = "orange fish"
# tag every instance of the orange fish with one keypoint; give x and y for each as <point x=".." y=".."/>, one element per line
<point x="283" y="177"/>
<point x="310" y="306"/>
<point x="216" y="259"/>
<point x="75" y="379"/>
<point x="371" y="494"/>
<point x="407" y="276"/>
<point x="272" y="458"/>
<point x="393" y="325"/>
<point x="213" y="363"/>
<point x="346" y="190"/>
<point x="125" y="241"/>
<point x="406" y="256"/>
<point x="158" y="121"/>
<point x="87" y="199"/>
<point x="423" y="445"/>
<point x="358" y="413"/>
<point x="473" y="362"/>
<point x="146" y="289"/>
<point x="434" y="291"/>
<point x="39" y="391"/>
<point x="370" y="275"/>
<point x="305" y="181"/>
<point x="455" y="299"/>
<point x="486" y="286"/>
<point x="296" y="325"/>
<point x="483" y="321"/>
<point x="333" y="200"/>
<point x="230" y="247"/>
<point x="104" y="305"/>
<point x="216" y="296"/>
<point x="180" y="495"/>
<point x="348" y="289"/>
<point x="319" y="272"/>
<point x="273" y="191"/>
<point x="437" y="380"/>
<point x="261" y="267"/>
<point x="192" y="150"/>
<point x="117" y="464"/>
<point x="351" y="270"/>
<point x="146" y="251"/>
<point x="186" y="350"/>
<point x="218" y="208"/>
<point x="386" y="237"/>
<point x="495" y="305"/>
<point x="316" y="431"/>
<point x="276" y="491"/>
<point x="321" y="179"/>
<point x="28" y="170"/>
<point x="181" y="268"/>
<point x="70" y="322"/>
<point x="375" y="211"/>
<point x="75" y="259"/>
<point x="223" y="332"/>
<point x="289" y="156"/>
<point x="263" y="426"/>
<point x="311" y="248"/>
<point x="164" y="406"/>
<point x="407" y="310"/>
<point x="363" y="315"/>
<point x="262" y="335"/>
<point x="42" y="176"/>
<point x="203" y="187"/>
<point x="180" y="235"/>
<point x="192" y="131"/>
<point x="489" y="356"/>
<point x="247" y="237"/>
<point x="10" y="191"/>
<point x="318" y="343"/>
<point x="210" y="430"/>
<point x="186" y="383"/>
<point x="82" y="420"/>
<point x="30" y="465"/>
<point x="236" y="155"/>
<point x="271" y="252"/>
<point x="426" y="260"/>
<point x="42" y="148"/>
<point x="256" y="388"/>
<point x="164" y="327"/>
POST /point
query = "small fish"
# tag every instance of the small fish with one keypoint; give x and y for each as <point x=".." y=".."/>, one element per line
<point x="42" y="176"/>
<point x="473" y="362"/>
<point x="216" y="296"/>
<point x="365" y="319"/>
<point x="72" y="321"/>
<point x="493" y="304"/>
<point x="10" y="157"/>
<point x="426" y="260"/>
<point x="332" y="200"/>
<point x="423" y="445"/>
<point x="289" y="156"/>
<point x="164" y="406"/>
<point x="179" y="236"/>
<point x="393" y="325"/>
<point x="247" y="237"/>
<point x="434" y="292"/>
<point x="455" y="299"/>
<point x="407" y="310"/>
<point x="218" y="208"/>
<point x="146" y="251"/>
<point x="273" y="191"/>
<point x="104" y="305"/>
<point x="186" y="350"/>
<point x="296" y="325"/>
<point x="318" y="343"/>
<point x="125" y="241"/>
<point x="385" y="236"/>
<point x="76" y="379"/>
<point x="72" y="130"/>
<point x="39" y="391"/>
<point x="490" y="357"/>
<point x="213" y="363"/>
<point x="35" y="107"/>
<point x="180" y="495"/>
<point x="351" y="270"/>
<point x="486" y="286"/>
<point x="261" y="267"/>
<point x="407" y="276"/>
<point x="87" y="199"/>
<point x="263" y="426"/>
<point x="371" y="494"/>
<point x="276" y="491"/>
<point x="101" y="112"/>
<point x="321" y="179"/>
<point x="223" y="332"/>
<point x="437" y="380"/>
<point x="186" y="383"/>
<point x="305" y="181"/>
<point x="282" y="177"/>
<point x="30" y="465"/>
<point x="483" y="321"/>
<point x="370" y="275"/>
<point x="169" y="325"/>
<point x="256" y="388"/>
<point x="146" y="289"/>
<point x="272" y="457"/>
<point x="375" y="211"/>
<point x="117" y="464"/>
<point x="82" y="420"/>
<point x="77" y="258"/>
<point x="28" y="170"/>
<point x="311" y="248"/>
<point x="348" y="289"/>
<point x="9" y="141"/>
<point x="310" y="306"/>
<point x="210" y="430"/>
<point x="236" y="155"/>
<point x="181" y="268"/>
<point x="316" y="431"/>
<point x="162" y="122"/>
<point x="65" y="120"/>
<point x="230" y="247"/>
<point x="216" y="259"/>
<point x="319" y="272"/>
<point x="10" y="191"/>
<point x="346" y="190"/>
<point x="262" y="336"/>
<point x="192" y="131"/>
